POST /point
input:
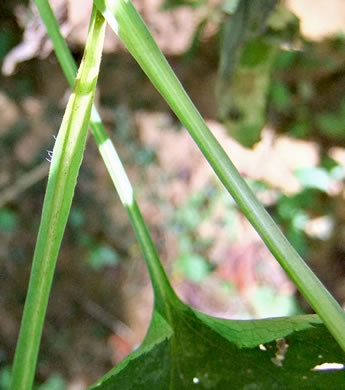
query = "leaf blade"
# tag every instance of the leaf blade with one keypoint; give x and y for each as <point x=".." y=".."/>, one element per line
<point x="191" y="351"/>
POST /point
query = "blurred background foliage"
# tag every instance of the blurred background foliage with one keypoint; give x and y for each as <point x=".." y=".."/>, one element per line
<point x="268" y="76"/>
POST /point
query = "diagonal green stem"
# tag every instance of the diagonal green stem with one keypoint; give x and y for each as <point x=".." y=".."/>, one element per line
<point x="67" y="156"/>
<point x="127" y="23"/>
<point x="163" y="292"/>
<point x="162" y="289"/>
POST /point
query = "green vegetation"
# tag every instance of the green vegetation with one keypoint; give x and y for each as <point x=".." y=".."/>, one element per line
<point x="183" y="347"/>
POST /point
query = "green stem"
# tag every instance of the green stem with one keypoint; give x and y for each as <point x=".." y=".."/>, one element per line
<point x="160" y="282"/>
<point x="67" y="157"/>
<point x="164" y="295"/>
<point x="163" y="292"/>
<point x="127" y="23"/>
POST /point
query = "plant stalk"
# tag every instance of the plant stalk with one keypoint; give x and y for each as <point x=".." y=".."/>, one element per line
<point x="162" y="288"/>
<point x="67" y="156"/>
<point x="123" y="18"/>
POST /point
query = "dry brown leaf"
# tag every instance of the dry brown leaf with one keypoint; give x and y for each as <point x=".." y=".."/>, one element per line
<point x="319" y="18"/>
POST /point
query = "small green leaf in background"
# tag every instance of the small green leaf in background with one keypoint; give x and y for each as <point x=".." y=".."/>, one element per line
<point x="8" y="220"/>
<point x="316" y="177"/>
<point x="193" y="266"/>
<point x="291" y="210"/>
<point x="254" y="53"/>
<point x="332" y="125"/>
<point x="5" y="42"/>
<point x="300" y="129"/>
<point x="5" y="378"/>
<point x="193" y="212"/>
<point x="169" y="4"/>
<point x="103" y="255"/>
<point x="281" y="96"/>
<point x="246" y="60"/>
<point x="251" y="48"/>
<point x="55" y="382"/>
<point x="267" y="303"/>
<point x="287" y="206"/>
<point x="284" y="59"/>
<point x="230" y="6"/>
<point x="298" y="239"/>
<point x="337" y="172"/>
<point x="77" y="217"/>
<point x="192" y="350"/>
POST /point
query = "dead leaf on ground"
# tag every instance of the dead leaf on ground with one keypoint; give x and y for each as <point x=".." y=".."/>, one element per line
<point x="319" y="19"/>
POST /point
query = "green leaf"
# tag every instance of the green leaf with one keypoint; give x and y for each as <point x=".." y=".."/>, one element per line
<point x="193" y="350"/>
<point x="103" y="255"/>
<point x="281" y="96"/>
<point x="300" y="129"/>
<point x="255" y="53"/>
<point x="331" y="125"/>
<point x="55" y="382"/>
<point x="5" y="378"/>
<point x="267" y="302"/>
<point x="246" y="60"/>
<point x="317" y="178"/>
<point x="193" y="266"/>
<point x="230" y="6"/>
<point x="242" y="97"/>
<point x="8" y="220"/>
<point x="284" y="59"/>
<point x="169" y="4"/>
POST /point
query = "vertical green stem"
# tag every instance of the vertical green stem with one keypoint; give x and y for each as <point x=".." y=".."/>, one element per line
<point x="67" y="157"/>
<point x="160" y="282"/>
